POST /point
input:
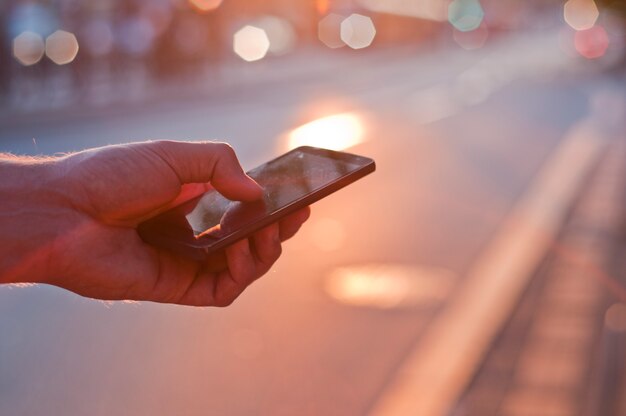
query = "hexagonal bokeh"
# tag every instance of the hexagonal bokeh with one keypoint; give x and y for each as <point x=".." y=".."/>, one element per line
<point x="61" y="47"/>
<point x="28" y="48"/>
<point x="280" y="33"/>
<point x="581" y="14"/>
<point x="358" y="31"/>
<point x="251" y="43"/>
<point x="591" y="43"/>
<point x="465" y="15"/>
<point x="329" y="31"/>
<point x="472" y="39"/>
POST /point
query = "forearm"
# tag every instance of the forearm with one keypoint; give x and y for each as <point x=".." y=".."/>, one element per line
<point x="27" y="236"/>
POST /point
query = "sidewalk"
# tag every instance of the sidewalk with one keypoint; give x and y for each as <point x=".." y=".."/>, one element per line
<point x="563" y="352"/>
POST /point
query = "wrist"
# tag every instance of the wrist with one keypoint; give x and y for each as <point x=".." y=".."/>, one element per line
<point x="28" y="219"/>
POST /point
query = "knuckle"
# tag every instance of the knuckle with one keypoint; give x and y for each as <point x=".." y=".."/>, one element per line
<point x="277" y="250"/>
<point x="225" y="300"/>
<point x="224" y="150"/>
<point x="163" y="147"/>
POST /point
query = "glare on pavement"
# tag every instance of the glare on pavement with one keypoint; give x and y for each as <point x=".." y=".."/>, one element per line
<point x="336" y="132"/>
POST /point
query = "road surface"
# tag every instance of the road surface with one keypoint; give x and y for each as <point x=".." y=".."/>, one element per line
<point x="457" y="137"/>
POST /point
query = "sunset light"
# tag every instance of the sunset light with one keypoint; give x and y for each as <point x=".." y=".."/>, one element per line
<point x="336" y="132"/>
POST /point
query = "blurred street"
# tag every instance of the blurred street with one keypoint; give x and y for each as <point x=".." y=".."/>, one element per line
<point x="461" y="138"/>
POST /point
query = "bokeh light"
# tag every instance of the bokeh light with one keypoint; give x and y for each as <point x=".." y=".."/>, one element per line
<point x="580" y="14"/>
<point x="329" y="31"/>
<point x="465" y="15"/>
<point x="591" y="43"/>
<point x="473" y="39"/>
<point x="135" y="35"/>
<point x="280" y="33"/>
<point x="28" y="48"/>
<point x="322" y="6"/>
<point x="336" y="132"/>
<point x="97" y="37"/>
<point x="384" y="286"/>
<point x="61" y="47"/>
<point x="205" y="5"/>
<point x="358" y="31"/>
<point x="251" y="43"/>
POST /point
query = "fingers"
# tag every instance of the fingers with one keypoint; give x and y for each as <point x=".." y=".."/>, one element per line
<point x="189" y="191"/>
<point x="246" y="261"/>
<point x="208" y="162"/>
<point x="228" y="273"/>
<point x="221" y="289"/>
<point x="266" y="247"/>
<point x="241" y="272"/>
<point x="290" y="225"/>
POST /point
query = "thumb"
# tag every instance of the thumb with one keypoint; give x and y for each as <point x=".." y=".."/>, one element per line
<point x="211" y="162"/>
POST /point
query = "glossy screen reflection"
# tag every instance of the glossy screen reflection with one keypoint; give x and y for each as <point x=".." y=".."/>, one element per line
<point x="285" y="180"/>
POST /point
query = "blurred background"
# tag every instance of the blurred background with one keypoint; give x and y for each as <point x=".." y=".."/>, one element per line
<point x="479" y="271"/>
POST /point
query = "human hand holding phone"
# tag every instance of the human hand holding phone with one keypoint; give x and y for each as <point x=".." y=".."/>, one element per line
<point x="206" y="224"/>
<point x="71" y="222"/>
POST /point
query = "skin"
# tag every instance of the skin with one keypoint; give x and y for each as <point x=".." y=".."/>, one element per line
<point x="70" y="221"/>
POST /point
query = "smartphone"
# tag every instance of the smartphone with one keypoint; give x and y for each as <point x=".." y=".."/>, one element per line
<point x="210" y="222"/>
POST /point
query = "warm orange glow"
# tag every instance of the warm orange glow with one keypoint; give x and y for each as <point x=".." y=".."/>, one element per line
<point x="322" y="6"/>
<point x="205" y="5"/>
<point x="389" y="285"/>
<point x="336" y="132"/>
<point x="327" y="234"/>
<point x="591" y="43"/>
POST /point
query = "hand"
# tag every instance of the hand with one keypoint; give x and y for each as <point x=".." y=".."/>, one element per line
<point x="71" y="223"/>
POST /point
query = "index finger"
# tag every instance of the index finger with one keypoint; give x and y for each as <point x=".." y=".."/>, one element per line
<point x="214" y="162"/>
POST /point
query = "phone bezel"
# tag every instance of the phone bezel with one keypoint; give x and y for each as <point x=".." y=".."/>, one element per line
<point x="161" y="232"/>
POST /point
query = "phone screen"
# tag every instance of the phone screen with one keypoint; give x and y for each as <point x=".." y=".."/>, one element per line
<point x="291" y="181"/>
<point x="284" y="180"/>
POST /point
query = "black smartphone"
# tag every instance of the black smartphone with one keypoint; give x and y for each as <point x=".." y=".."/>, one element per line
<point x="292" y="181"/>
